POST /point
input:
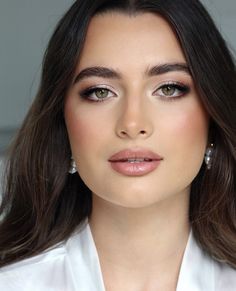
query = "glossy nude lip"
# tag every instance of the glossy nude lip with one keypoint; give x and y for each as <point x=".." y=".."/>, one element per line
<point x="135" y="162"/>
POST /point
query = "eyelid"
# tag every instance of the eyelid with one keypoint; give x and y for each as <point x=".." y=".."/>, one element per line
<point x="90" y="90"/>
<point x="178" y="85"/>
<point x="166" y="83"/>
<point x="100" y="86"/>
<point x="181" y="90"/>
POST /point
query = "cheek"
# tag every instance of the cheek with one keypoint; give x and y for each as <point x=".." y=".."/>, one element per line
<point x="85" y="130"/>
<point x="186" y="136"/>
<point x="191" y="126"/>
<point x="187" y="126"/>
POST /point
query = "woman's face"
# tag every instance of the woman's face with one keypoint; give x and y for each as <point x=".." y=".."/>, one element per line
<point x="132" y="93"/>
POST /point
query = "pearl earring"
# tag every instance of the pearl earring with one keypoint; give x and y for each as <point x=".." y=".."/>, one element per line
<point x="208" y="156"/>
<point x="72" y="168"/>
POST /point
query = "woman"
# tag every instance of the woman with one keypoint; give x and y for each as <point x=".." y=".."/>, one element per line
<point x="122" y="176"/>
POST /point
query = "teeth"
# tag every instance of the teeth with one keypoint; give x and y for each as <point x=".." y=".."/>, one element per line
<point x="135" y="160"/>
<point x="138" y="160"/>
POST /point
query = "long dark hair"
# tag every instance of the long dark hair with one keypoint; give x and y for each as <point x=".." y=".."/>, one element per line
<point x="42" y="204"/>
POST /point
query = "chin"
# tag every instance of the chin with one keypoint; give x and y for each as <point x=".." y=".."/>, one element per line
<point x="133" y="200"/>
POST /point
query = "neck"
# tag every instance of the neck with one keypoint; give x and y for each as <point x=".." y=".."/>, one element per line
<point x="151" y="237"/>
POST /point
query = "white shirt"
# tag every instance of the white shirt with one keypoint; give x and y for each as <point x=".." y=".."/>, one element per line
<point x="74" y="266"/>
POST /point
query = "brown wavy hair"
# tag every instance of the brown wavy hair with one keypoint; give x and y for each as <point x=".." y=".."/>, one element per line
<point x="42" y="204"/>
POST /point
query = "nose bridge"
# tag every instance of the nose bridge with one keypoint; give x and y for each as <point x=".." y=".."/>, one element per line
<point x="134" y="120"/>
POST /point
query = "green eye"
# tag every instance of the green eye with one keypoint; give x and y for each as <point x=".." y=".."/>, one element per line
<point x="101" y="93"/>
<point x="172" y="91"/>
<point x="168" y="90"/>
<point x="97" y="94"/>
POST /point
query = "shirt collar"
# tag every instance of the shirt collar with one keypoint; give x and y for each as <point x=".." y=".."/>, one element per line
<point x="84" y="260"/>
<point x="197" y="269"/>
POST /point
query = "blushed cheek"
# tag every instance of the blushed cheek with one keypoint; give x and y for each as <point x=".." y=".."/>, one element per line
<point x="185" y="143"/>
<point x="84" y="130"/>
<point x="80" y="134"/>
<point x="189" y="128"/>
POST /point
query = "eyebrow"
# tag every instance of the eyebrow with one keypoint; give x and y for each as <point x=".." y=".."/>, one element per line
<point x="166" y="68"/>
<point x="109" y="73"/>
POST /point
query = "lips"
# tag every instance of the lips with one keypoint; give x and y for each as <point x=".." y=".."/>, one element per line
<point x="138" y="155"/>
<point x="135" y="162"/>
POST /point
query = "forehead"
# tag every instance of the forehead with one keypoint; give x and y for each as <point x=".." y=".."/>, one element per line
<point x="116" y="37"/>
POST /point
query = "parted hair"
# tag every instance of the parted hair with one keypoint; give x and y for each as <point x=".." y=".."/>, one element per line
<point x="43" y="204"/>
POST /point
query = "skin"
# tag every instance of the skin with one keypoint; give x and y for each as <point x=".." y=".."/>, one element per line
<point x="141" y="221"/>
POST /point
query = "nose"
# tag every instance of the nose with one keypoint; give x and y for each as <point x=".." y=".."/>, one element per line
<point x="134" y="121"/>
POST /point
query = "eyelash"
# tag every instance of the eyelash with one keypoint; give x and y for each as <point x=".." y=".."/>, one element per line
<point x="86" y="94"/>
<point x="181" y="88"/>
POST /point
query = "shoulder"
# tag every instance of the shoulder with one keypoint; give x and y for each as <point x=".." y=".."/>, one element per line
<point x="225" y="277"/>
<point x="21" y="275"/>
<point x="53" y="254"/>
<point x="202" y="272"/>
<point x="54" y="269"/>
<point x="43" y="258"/>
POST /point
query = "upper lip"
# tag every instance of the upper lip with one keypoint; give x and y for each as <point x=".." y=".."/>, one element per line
<point x="134" y="154"/>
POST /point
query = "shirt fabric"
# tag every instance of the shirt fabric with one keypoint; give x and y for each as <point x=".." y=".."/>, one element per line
<point x="74" y="266"/>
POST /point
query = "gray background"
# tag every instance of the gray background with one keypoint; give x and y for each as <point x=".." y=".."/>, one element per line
<point x="25" y="28"/>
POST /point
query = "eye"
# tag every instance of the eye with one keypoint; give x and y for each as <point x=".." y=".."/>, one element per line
<point x="172" y="90"/>
<point x="97" y="94"/>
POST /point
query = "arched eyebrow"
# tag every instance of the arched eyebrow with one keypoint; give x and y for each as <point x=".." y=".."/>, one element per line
<point x="109" y="73"/>
<point x="101" y="72"/>
<point x="166" y="68"/>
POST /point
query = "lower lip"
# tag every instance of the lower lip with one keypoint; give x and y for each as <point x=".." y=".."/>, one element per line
<point x="135" y="169"/>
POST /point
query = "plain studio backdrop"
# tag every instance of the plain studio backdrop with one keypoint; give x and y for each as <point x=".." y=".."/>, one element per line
<point x="25" y="28"/>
